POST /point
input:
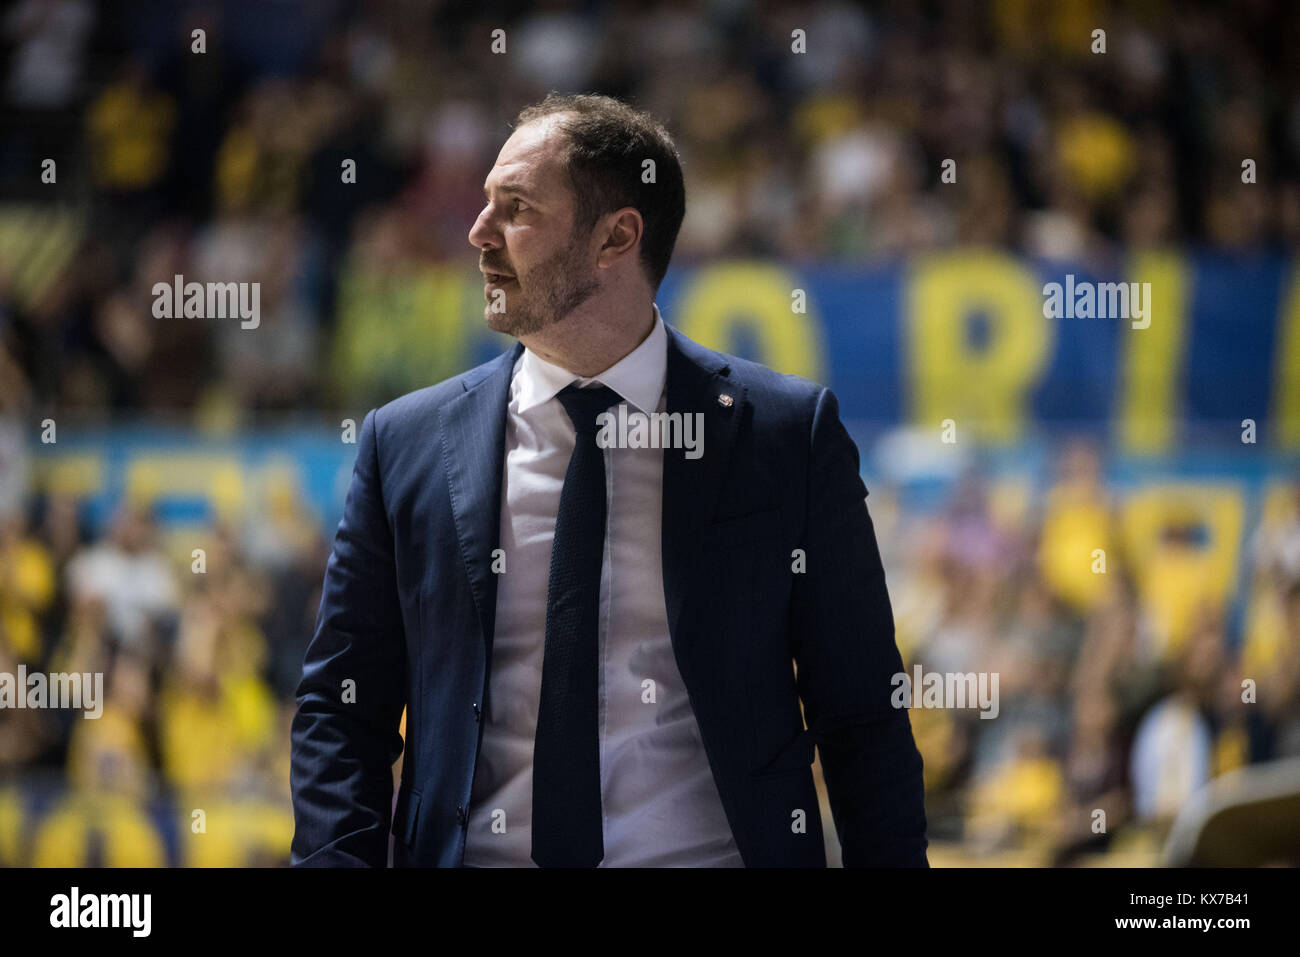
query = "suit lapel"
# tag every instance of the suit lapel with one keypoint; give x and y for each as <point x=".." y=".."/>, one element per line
<point x="697" y="381"/>
<point x="473" y="453"/>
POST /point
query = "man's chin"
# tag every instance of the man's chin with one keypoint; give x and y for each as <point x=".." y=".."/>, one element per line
<point x="510" y="325"/>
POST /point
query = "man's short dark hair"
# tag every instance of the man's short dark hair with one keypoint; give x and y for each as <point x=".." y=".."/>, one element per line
<point x="608" y="144"/>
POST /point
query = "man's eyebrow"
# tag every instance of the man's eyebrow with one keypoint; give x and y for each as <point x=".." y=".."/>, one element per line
<point x="508" y="188"/>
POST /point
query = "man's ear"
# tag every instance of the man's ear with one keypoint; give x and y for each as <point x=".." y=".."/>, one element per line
<point x="622" y="235"/>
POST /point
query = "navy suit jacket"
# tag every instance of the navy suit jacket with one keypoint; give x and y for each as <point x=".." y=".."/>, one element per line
<point x="409" y="601"/>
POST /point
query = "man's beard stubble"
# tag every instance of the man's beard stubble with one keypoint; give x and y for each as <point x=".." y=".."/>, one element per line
<point x="566" y="288"/>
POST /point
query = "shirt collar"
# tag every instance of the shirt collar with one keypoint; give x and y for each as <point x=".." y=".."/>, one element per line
<point x="638" y="377"/>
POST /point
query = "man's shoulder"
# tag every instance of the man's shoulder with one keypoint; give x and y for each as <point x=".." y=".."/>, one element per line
<point x="762" y="384"/>
<point x="417" y="408"/>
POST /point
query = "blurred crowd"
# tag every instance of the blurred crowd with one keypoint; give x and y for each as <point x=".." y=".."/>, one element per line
<point x="200" y="639"/>
<point x="1120" y="690"/>
<point x="809" y="132"/>
<point x="1126" y="681"/>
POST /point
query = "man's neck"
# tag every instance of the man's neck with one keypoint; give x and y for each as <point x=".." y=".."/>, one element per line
<point x="588" y="342"/>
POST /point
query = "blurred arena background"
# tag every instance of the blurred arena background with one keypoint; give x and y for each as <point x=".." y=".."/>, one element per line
<point x="1002" y="449"/>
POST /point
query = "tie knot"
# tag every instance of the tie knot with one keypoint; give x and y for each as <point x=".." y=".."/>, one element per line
<point x="583" y="405"/>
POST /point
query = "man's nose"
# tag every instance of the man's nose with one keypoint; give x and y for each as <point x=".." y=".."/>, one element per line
<point x="482" y="235"/>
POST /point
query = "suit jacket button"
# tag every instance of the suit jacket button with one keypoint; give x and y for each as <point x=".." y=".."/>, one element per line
<point x="477" y="714"/>
<point x="460" y="814"/>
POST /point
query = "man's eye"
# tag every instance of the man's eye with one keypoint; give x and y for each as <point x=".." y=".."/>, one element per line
<point x="519" y="205"/>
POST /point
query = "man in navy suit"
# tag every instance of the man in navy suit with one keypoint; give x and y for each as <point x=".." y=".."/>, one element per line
<point x="601" y="573"/>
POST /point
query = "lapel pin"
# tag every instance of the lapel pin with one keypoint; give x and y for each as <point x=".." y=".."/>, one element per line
<point x="725" y="400"/>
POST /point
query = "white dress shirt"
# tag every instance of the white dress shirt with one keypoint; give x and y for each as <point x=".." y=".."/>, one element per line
<point x="660" y="805"/>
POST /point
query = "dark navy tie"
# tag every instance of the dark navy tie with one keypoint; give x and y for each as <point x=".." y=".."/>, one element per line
<point x="566" y="753"/>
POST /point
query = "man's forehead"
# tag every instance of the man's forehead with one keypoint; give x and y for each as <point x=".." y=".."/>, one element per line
<point x="531" y="156"/>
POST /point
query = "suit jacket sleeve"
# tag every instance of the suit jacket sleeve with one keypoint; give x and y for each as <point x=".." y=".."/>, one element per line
<point x="845" y="655"/>
<point x="344" y="746"/>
